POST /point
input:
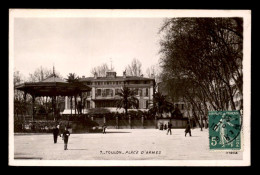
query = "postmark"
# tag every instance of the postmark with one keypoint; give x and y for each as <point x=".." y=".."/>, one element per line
<point x="225" y="130"/>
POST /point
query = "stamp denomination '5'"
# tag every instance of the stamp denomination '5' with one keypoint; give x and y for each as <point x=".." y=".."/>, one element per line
<point x="224" y="130"/>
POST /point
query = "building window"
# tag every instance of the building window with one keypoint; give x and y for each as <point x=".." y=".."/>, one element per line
<point x="135" y="91"/>
<point x="88" y="104"/>
<point x="107" y="92"/>
<point x="146" y="92"/>
<point x="140" y="92"/>
<point x="98" y="92"/>
<point x="117" y="91"/>
<point x="182" y="106"/>
<point x="146" y="104"/>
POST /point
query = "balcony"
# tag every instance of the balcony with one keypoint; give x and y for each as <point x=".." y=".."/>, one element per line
<point x="105" y="97"/>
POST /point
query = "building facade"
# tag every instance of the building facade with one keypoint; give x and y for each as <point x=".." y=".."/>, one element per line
<point x="104" y="91"/>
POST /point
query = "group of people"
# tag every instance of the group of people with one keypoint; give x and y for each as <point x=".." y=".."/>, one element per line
<point x="65" y="136"/>
<point x="169" y="128"/>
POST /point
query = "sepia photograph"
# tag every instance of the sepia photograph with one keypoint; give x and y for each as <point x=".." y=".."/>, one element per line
<point x="139" y="87"/>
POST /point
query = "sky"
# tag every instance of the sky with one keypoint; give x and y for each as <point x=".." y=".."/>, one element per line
<point x="76" y="45"/>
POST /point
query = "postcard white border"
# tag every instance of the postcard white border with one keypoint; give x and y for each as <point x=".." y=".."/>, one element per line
<point x="113" y="13"/>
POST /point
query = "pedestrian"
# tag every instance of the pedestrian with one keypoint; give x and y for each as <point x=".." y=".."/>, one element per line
<point x="169" y="128"/>
<point x="165" y="126"/>
<point x="55" y="132"/>
<point x="104" y="128"/>
<point x="65" y="137"/>
<point x="188" y="130"/>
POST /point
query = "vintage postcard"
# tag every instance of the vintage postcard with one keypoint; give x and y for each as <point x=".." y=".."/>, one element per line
<point x="129" y="87"/>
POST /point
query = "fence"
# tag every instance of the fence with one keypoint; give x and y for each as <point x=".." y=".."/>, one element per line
<point x="86" y="124"/>
<point x="136" y="123"/>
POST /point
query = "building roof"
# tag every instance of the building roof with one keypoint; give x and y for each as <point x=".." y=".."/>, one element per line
<point x="117" y="78"/>
<point x="52" y="86"/>
<point x="53" y="78"/>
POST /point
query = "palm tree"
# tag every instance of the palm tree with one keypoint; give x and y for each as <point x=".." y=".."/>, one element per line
<point x="127" y="99"/>
<point x="73" y="79"/>
<point x="160" y="104"/>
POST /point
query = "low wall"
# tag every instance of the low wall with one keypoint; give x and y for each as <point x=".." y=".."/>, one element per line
<point x="176" y="123"/>
<point x="150" y="124"/>
<point x="139" y="123"/>
<point x="90" y="123"/>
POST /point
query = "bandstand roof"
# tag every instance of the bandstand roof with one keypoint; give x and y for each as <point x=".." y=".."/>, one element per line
<point x="52" y="86"/>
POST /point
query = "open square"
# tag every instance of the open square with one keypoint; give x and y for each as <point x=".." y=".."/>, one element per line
<point x="126" y="144"/>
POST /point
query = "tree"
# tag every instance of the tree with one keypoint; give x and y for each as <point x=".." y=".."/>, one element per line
<point x="160" y="104"/>
<point x="19" y="103"/>
<point x="205" y="54"/>
<point x="101" y="70"/>
<point x="73" y="79"/>
<point x="41" y="73"/>
<point x="151" y="72"/>
<point x="127" y="99"/>
<point x="154" y="72"/>
<point x="135" y="68"/>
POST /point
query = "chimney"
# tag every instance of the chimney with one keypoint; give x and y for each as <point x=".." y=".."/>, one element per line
<point x="124" y="74"/>
<point x="111" y="74"/>
<point x="95" y="75"/>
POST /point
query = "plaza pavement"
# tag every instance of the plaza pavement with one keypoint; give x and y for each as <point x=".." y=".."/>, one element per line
<point x="122" y="144"/>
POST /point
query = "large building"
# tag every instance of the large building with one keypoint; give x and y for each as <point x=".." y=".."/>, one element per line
<point x="104" y="90"/>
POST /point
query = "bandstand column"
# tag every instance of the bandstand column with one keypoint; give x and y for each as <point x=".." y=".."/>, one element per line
<point x="54" y="106"/>
<point x="71" y="106"/>
<point x="55" y="109"/>
<point x="24" y="98"/>
<point x="81" y="103"/>
<point x="33" y="104"/>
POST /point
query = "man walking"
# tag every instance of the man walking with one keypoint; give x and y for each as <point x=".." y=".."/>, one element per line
<point x="169" y="128"/>
<point x="188" y="130"/>
<point x="55" y="132"/>
<point x="65" y="136"/>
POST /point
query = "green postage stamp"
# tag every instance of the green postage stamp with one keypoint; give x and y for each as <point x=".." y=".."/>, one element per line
<point x="225" y="130"/>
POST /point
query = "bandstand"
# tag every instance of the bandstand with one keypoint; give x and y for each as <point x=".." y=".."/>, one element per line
<point x="52" y="87"/>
